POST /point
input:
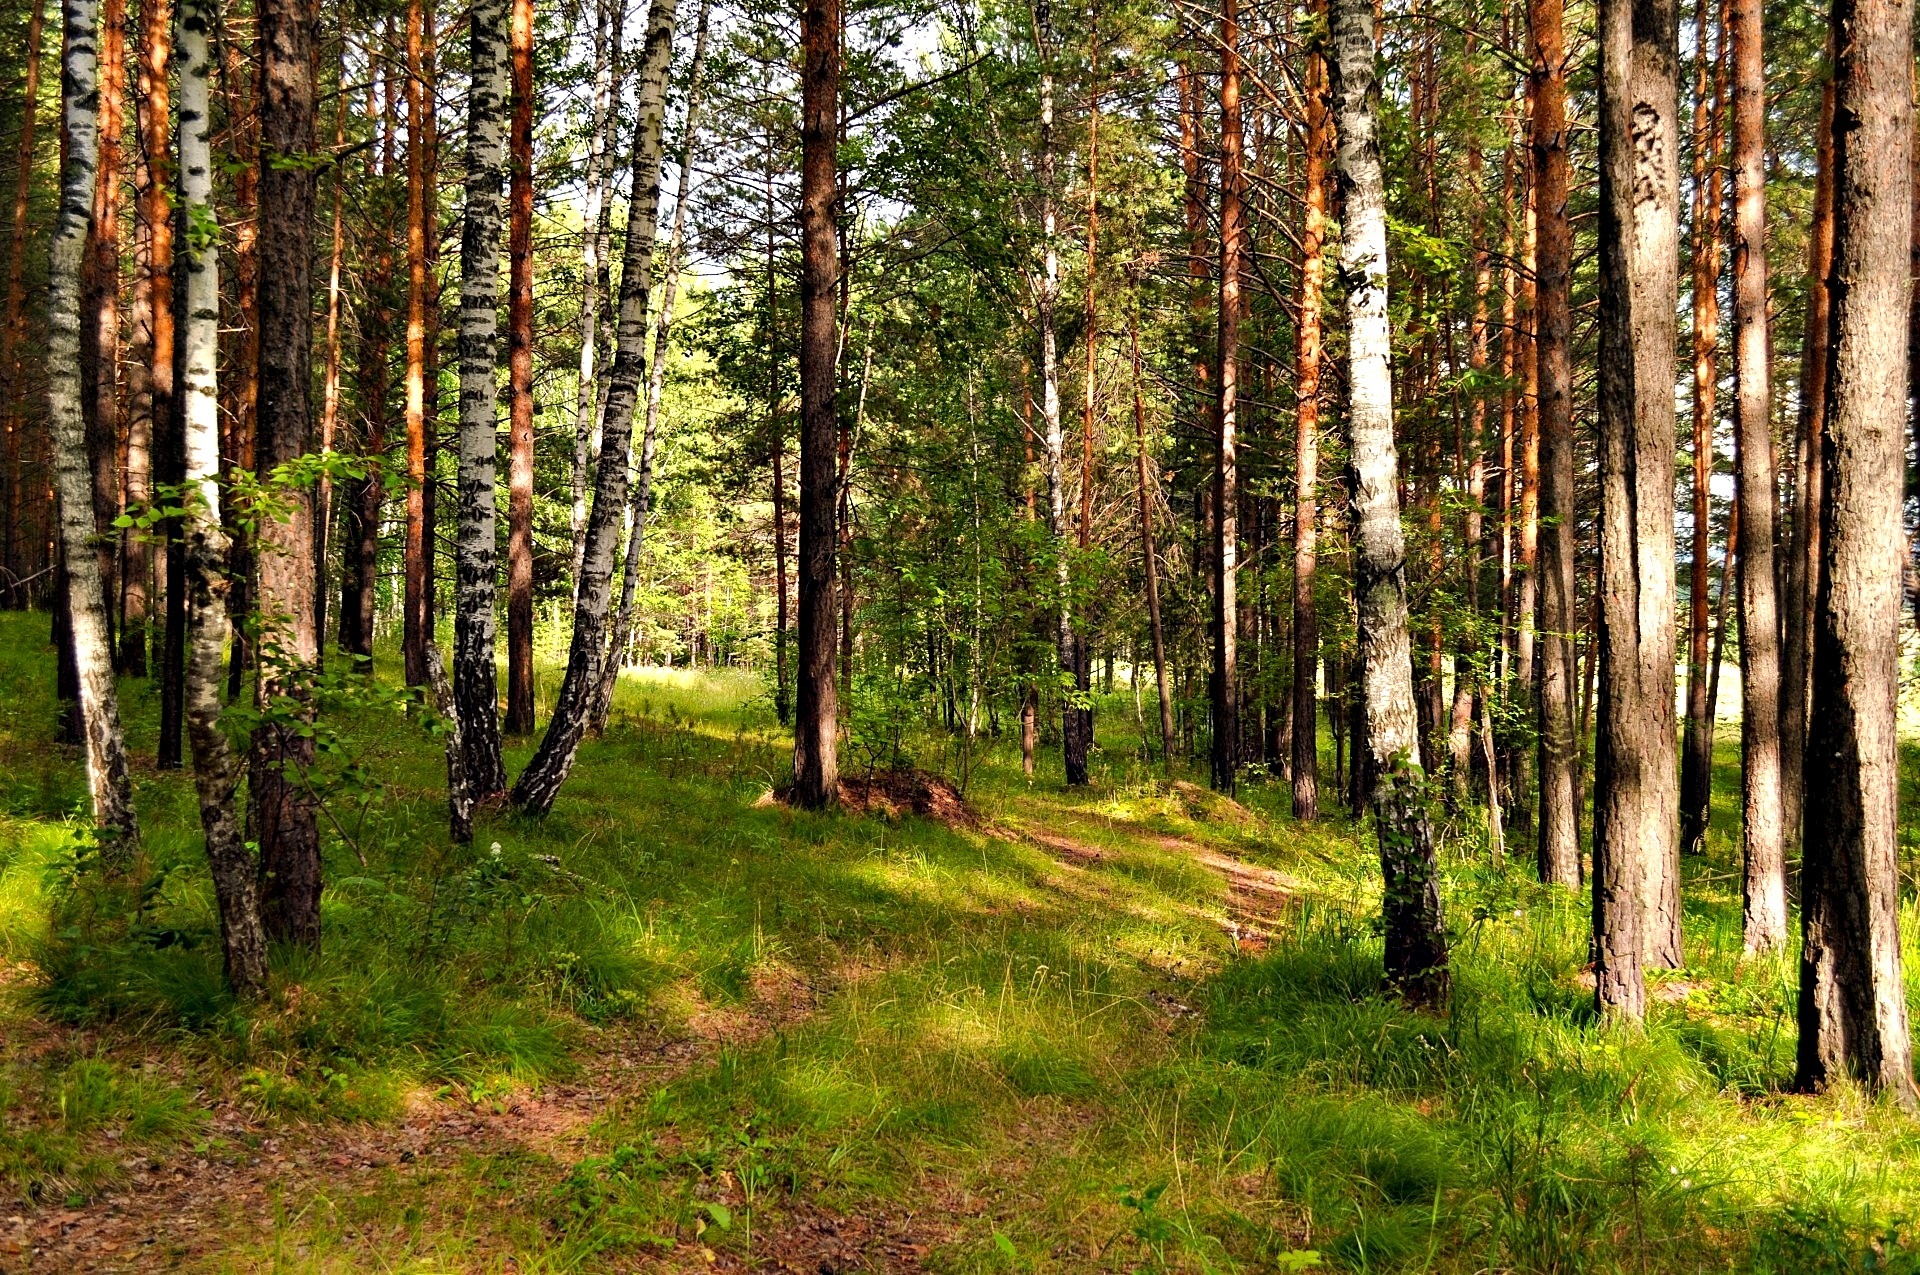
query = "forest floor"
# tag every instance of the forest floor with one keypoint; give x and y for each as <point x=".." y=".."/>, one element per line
<point x="677" y="1026"/>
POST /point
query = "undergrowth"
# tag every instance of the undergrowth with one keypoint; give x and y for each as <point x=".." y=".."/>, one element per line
<point x="1026" y="1058"/>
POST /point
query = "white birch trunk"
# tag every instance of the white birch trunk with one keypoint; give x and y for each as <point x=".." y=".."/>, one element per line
<point x="656" y="379"/>
<point x="476" y="577"/>
<point x="216" y="767"/>
<point x="106" y="749"/>
<point x="1416" y="956"/>
<point x="593" y="247"/>
<point x="540" y="783"/>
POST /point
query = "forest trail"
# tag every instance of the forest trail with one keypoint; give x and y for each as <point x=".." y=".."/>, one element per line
<point x="249" y="1176"/>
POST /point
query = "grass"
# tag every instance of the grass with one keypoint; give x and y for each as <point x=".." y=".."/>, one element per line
<point x="823" y="1041"/>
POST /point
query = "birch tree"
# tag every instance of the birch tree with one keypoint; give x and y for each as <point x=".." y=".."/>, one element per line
<point x="106" y="749"/>
<point x="656" y="381"/>
<point x="475" y="684"/>
<point x="1416" y="941"/>
<point x="540" y="782"/>
<point x="216" y="768"/>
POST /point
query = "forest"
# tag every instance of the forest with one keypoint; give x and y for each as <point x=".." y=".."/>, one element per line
<point x="1225" y="636"/>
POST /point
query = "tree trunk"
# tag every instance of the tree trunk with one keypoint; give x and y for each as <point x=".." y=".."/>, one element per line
<point x="216" y="769"/>
<point x="1804" y="566"/>
<point x="1559" y="845"/>
<point x="1765" y="875"/>
<point x="323" y="503"/>
<point x="417" y="599"/>
<point x="106" y="749"/>
<point x="641" y="502"/>
<point x="239" y="75"/>
<point x="1305" y="744"/>
<point x="1636" y="917"/>
<point x="1853" y="1004"/>
<point x="816" y="770"/>
<point x="593" y="251"/>
<point x="14" y="558"/>
<point x="150" y="373"/>
<point x="169" y="468"/>
<point x="281" y="807"/>
<point x="1696" y="765"/>
<point x="1150" y="559"/>
<point x="100" y="324"/>
<point x="1226" y="477"/>
<point x="1416" y="941"/>
<point x="540" y="783"/>
<point x="520" y="376"/>
<point x="475" y="689"/>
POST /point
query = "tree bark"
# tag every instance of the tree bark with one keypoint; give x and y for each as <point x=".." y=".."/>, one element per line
<point x="1696" y="765"/>
<point x="540" y="783"/>
<point x="1150" y="559"/>
<point x="1416" y="940"/>
<point x="323" y="503"/>
<point x="106" y="749"/>
<point x="1559" y="844"/>
<point x="417" y="598"/>
<point x="641" y="502"/>
<point x="100" y="325"/>
<point x="476" y="578"/>
<point x="150" y="373"/>
<point x="1853" y="1004"/>
<point x="1226" y="476"/>
<point x="1804" y="565"/>
<point x="14" y="559"/>
<point x="593" y="251"/>
<point x="280" y="804"/>
<point x="216" y="768"/>
<point x="520" y="376"/>
<point x="816" y="769"/>
<point x="1765" y="892"/>
<point x="1636" y="916"/>
<point x="1305" y="744"/>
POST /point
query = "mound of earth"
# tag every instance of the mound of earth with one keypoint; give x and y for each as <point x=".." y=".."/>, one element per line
<point x="1207" y="806"/>
<point x="903" y="791"/>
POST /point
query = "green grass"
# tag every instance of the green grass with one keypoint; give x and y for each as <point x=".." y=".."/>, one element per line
<point x="1017" y="1059"/>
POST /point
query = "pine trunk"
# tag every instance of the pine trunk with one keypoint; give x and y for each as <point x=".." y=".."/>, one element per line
<point x="1416" y="942"/>
<point x="1226" y="477"/>
<point x="100" y="322"/>
<point x="1696" y="763"/>
<point x="520" y="377"/>
<point x="1559" y="844"/>
<point x="1853" y="1003"/>
<point x="1803" y="569"/>
<point x="1305" y="744"/>
<point x="1765" y="859"/>
<point x="14" y="548"/>
<point x="281" y="808"/>
<point x="150" y="373"/>
<point x="816" y="770"/>
<point x="1150" y="560"/>
<point x="417" y="597"/>
<point x="1636" y="916"/>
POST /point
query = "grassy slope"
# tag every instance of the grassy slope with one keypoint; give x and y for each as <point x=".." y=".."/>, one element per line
<point x="1032" y="1046"/>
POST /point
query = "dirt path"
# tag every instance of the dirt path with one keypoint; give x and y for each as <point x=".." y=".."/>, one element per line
<point x="244" y="1174"/>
